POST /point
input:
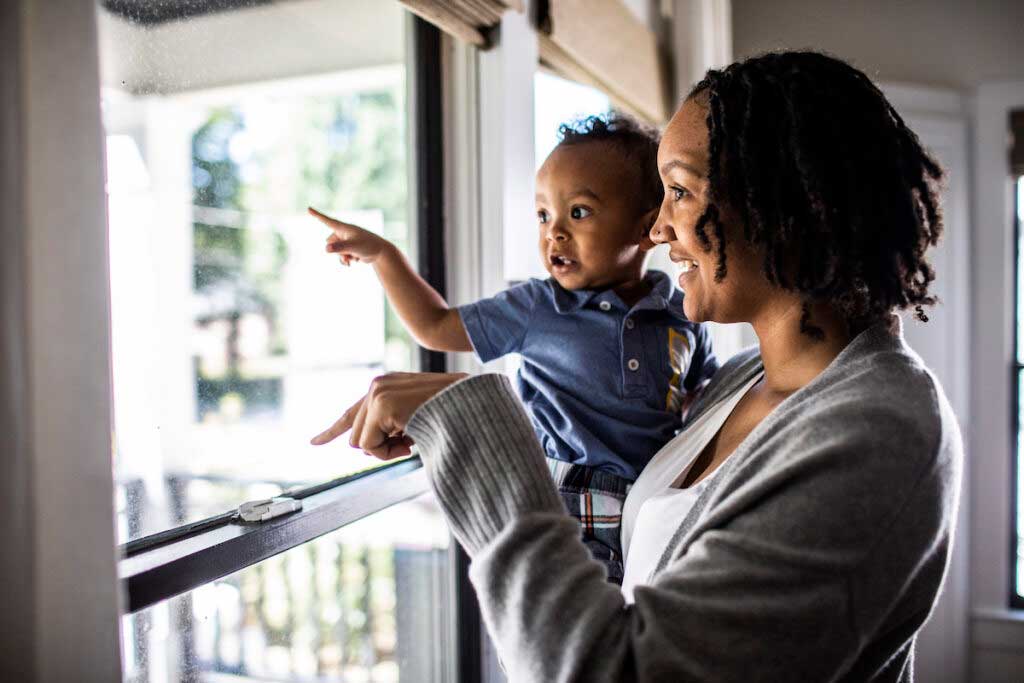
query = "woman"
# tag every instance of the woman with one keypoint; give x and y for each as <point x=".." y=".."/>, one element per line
<point x="800" y="525"/>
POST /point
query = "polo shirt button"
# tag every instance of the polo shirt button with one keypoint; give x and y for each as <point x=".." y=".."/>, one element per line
<point x="630" y="324"/>
<point x="633" y="364"/>
<point x="604" y="306"/>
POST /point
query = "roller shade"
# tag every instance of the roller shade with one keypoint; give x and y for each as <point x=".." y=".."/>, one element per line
<point x="602" y="43"/>
<point x="467" y="20"/>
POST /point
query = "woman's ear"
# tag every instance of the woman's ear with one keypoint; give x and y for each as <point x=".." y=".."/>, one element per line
<point x="646" y="223"/>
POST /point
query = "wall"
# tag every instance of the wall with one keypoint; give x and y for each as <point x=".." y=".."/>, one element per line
<point x="952" y="43"/>
<point x="960" y="48"/>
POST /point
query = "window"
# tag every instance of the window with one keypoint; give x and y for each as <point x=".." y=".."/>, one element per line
<point x="235" y="337"/>
<point x="557" y="100"/>
<point x="1017" y="524"/>
<point x="1016" y="121"/>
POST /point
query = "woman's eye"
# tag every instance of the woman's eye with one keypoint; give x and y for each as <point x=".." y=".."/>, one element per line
<point x="542" y="216"/>
<point x="580" y="212"/>
<point x="678" y="192"/>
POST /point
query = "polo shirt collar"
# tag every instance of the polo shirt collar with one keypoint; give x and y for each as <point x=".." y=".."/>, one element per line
<point x="571" y="300"/>
<point x="659" y="296"/>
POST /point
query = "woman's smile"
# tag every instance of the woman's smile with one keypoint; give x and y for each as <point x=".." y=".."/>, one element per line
<point x="686" y="268"/>
<point x="687" y="276"/>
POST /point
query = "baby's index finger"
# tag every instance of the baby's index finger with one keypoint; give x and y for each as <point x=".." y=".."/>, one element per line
<point x="320" y="215"/>
<point x="340" y="228"/>
<point x="324" y="218"/>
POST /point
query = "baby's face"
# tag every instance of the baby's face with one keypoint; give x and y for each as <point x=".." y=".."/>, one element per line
<point x="590" y="227"/>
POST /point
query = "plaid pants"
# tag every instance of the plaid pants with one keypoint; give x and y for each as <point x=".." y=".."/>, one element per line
<point x="595" y="498"/>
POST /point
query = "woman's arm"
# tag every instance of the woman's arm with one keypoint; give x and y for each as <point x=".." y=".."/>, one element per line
<point x="765" y="595"/>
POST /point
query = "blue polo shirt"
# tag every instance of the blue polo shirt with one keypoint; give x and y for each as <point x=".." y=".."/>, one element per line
<point x="603" y="382"/>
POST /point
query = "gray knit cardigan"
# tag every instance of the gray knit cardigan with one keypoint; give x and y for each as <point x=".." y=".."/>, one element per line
<point x="816" y="554"/>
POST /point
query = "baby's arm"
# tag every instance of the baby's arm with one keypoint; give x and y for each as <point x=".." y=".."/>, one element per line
<point x="425" y="313"/>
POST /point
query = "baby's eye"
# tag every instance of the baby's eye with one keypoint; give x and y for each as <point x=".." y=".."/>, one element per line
<point x="542" y="216"/>
<point x="678" y="192"/>
<point x="580" y="212"/>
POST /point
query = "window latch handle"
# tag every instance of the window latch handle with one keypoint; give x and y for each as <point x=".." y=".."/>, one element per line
<point x="269" y="508"/>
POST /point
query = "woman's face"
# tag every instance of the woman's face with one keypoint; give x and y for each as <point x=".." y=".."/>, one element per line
<point x="683" y="165"/>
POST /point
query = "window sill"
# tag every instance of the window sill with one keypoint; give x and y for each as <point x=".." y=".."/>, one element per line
<point x="998" y="629"/>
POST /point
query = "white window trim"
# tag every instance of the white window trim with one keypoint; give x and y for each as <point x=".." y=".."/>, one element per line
<point x="65" y="457"/>
<point x="940" y="118"/>
<point x="702" y="39"/>
<point x="465" y="241"/>
<point x="991" y="443"/>
<point x="489" y="170"/>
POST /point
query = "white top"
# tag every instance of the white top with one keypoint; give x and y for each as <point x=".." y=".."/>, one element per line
<point x="655" y="505"/>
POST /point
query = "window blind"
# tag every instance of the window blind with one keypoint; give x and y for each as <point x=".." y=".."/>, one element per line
<point x="603" y="44"/>
<point x="467" y="20"/>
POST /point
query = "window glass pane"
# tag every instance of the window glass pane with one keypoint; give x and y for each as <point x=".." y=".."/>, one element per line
<point x="369" y="602"/>
<point x="1019" y="563"/>
<point x="235" y="337"/>
<point x="557" y="101"/>
<point x="1020" y="269"/>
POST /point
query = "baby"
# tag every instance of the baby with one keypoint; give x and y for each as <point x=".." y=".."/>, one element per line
<point x="608" y="358"/>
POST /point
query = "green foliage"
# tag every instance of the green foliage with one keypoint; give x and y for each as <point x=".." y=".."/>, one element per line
<point x="339" y="152"/>
<point x="354" y="154"/>
<point x="218" y="249"/>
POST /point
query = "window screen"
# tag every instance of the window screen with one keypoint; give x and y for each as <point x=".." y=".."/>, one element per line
<point x="235" y="337"/>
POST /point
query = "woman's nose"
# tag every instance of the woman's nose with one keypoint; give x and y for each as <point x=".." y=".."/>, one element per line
<point x="662" y="232"/>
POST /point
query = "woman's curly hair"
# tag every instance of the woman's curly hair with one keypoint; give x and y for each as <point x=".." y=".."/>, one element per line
<point x="637" y="142"/>
<point x="826" y="177"/>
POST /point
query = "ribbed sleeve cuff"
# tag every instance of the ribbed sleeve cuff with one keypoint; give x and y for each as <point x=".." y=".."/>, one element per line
<point x="483" y="458"/>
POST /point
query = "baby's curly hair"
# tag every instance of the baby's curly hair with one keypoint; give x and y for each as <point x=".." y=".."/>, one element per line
<point x="826" y="177"/>
<point x="637" y="142"/>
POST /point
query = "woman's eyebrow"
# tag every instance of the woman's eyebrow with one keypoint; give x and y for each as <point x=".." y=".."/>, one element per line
<point x="676" y="163"/>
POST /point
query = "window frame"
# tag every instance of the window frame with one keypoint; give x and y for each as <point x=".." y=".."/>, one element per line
<point x="995" y="622"/>
<point x="161" y="566"/>
<point x="1015" y="599"/>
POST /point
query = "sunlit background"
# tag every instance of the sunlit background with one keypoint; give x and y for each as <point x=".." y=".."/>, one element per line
<point x="236" y="338"/>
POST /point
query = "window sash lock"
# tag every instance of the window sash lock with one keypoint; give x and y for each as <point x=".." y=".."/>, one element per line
<point x="267" y="509"/>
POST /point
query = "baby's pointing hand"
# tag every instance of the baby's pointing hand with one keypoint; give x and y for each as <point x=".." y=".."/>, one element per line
<point x="350" y="242"/>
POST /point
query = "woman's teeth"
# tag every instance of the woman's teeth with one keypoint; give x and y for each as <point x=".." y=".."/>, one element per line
<point x="686" y="265"/>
